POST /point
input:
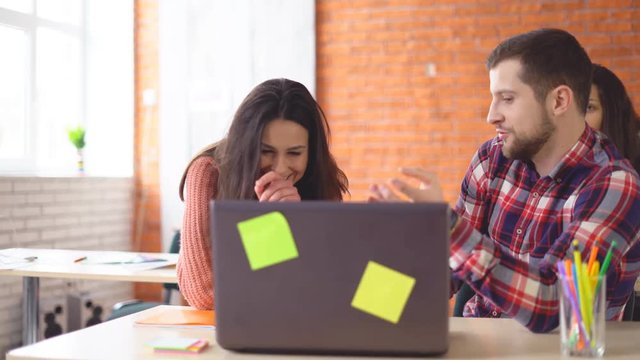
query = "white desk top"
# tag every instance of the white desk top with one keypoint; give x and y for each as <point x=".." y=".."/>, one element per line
<point x="59" y="264"/>
<point x="470" y="339"/>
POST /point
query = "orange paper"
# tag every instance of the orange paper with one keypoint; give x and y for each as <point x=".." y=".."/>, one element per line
<point x="179" y="317"/>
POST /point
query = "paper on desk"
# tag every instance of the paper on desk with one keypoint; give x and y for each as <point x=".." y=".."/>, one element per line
<point x="8" y="262"/>
<point x="131" y="262"/>
<point x="179" y="317"/>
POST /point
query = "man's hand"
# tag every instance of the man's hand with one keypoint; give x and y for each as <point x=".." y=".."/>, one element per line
<point x="273" y="187"/>
<point x="382" y="193"/>
<point x="429" y="190"/>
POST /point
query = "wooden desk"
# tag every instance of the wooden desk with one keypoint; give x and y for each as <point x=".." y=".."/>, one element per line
<point x="59" y="264"/>
<point x="469" y="339"/>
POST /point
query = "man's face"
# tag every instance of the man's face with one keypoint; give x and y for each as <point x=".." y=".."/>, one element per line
<point x="522" y="123"/>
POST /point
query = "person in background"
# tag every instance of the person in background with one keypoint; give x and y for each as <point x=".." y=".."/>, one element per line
<point x="546" y="179"/>
<point x="611" y="111"/>
<point x="277" y="149"/>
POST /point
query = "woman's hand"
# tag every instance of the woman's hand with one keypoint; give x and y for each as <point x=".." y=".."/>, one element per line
<point x="273" y="187"/>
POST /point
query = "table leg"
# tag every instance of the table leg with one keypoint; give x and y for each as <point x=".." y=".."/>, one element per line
<point x="30" y="304"/>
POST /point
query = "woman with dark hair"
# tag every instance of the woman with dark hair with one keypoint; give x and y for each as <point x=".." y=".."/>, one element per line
<point x="611" y="111"/>
<point x="277" y="149"/>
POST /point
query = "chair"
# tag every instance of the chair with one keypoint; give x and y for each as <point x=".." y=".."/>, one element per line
<point x="464" y="294"/>
<point x="629" y="310"/>
<point x="636" y="307"/>
<point x="129" y="307"/>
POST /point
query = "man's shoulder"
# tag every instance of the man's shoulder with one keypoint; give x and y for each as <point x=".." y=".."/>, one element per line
<point x="607" y="160"/>
<point x="618" y="168"/>
<point x="615" y="176"/>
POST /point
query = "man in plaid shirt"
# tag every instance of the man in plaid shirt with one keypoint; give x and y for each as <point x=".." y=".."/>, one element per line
<point x="545" y="179"/>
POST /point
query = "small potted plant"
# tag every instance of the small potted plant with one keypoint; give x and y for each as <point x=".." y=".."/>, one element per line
<point x="76" y="136"/>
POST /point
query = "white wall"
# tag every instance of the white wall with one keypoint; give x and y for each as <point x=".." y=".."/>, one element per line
<point x="77" y="212"/>
<point x="109" y="108"/>
<point x="212" y="53"/>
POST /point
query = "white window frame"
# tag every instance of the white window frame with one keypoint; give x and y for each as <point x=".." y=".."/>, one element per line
<point x="30" y="23"/>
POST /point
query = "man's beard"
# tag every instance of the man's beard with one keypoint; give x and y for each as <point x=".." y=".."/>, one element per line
<point x="524" y="148"/>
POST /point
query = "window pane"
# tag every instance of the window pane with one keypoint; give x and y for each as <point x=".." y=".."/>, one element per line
<point x="66" y="11"/>
<point x="13" y="93"/>
<point x="17" y="5"/>
<point x="59" y="95"/>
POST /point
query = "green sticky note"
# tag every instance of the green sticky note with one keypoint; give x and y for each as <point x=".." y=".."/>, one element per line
<point x="383" y="292"/>
<point x="267" y="240"/>
<point x="173" y="343"/>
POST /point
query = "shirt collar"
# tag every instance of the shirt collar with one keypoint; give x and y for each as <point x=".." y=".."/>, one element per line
<point x="576" y="154"/>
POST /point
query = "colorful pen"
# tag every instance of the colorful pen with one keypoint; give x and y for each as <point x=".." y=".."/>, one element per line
<point x="605" y="264"/>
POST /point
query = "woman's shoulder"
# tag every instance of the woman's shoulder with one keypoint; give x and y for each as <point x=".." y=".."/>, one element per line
<point x="203" y="165"/>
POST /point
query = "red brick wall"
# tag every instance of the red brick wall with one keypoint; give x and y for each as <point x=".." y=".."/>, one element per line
<point x="146" y="229"/>
<point x="384" y="110"/>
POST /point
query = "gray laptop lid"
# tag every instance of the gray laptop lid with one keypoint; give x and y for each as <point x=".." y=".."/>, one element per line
<point x="307" y="304"/>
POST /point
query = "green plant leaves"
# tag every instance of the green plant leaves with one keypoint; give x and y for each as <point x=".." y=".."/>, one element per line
<point x="76" y="136"/>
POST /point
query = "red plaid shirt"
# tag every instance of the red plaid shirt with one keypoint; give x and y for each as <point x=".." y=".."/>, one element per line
<point x="515" y="225"/>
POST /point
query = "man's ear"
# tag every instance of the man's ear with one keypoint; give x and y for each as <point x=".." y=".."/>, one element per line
<point x="560" y="100"/>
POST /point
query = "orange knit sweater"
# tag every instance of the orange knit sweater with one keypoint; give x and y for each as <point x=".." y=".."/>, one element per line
<point x="194" y="264"/>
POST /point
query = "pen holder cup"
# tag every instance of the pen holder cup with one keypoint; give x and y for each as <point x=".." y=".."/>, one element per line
<point x="582" y="315"/>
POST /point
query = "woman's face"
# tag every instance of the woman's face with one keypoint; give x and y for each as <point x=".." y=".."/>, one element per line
<point x="284" y="149"/>
<point x="594" y="109"/>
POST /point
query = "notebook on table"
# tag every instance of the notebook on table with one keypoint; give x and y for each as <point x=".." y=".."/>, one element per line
<point x="177" y="317"/>
<point x="331" y="278"/>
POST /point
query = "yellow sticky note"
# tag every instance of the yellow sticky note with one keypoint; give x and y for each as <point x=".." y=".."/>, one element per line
<point x="383" y="292"/>
<point x="267" y="240"/>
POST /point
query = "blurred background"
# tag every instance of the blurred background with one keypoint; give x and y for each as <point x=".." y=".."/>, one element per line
<point x="402" y="82"/>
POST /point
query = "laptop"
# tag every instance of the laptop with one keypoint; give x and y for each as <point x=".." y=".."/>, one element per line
<point x="331" y="278"/>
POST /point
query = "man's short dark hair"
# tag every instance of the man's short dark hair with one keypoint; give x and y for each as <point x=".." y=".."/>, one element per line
<point x="549" y="58"/>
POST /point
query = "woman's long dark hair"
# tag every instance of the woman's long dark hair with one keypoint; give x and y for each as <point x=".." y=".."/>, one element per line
<point x="238" y="155"/>
<point x="620" y="122"/>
